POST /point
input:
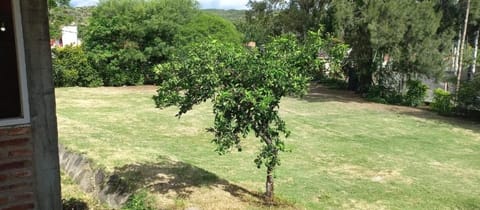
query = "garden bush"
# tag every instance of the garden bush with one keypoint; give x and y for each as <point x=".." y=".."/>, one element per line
<point x="442" y="102"/>
<point x="384" y="95"/>
<point x="72" y="68"/>
<point x="416" y="93"/>
<point x="469" y="94"/>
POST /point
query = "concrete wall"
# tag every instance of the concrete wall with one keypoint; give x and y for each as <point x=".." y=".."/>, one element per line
<point x="42" y="104"/>
<point x="29" y="166"/>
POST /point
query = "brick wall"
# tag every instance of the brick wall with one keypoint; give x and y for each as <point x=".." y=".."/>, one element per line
<point x="16" y="169"/>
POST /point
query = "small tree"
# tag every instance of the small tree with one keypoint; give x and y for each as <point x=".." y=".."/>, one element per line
<point x="245" y="86"/>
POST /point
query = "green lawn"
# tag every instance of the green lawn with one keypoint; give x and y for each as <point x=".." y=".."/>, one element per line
<point x="346" y="153"/>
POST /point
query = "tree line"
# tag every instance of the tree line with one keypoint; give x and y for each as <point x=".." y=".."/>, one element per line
<point x="391" y="41"/>
<point x="123" y="40"/>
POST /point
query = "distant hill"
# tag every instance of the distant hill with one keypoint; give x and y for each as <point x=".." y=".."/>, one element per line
<point x="236" y="16"/>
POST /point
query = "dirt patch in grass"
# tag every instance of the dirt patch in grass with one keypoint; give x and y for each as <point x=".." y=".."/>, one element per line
<point x="349" y="171"/>
<point x="363" y="205"/>
<point x="452" y="169"/>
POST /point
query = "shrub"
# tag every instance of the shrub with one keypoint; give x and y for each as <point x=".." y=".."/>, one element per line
<point x="72" y="68"/>
<point x="469" y="94"/>
<point x="415" y="95"/>
<point x="442" y="102"/>
<point x="384" y="95"/>
<point x="139" y="201"/>
<point x="417" y="91"/>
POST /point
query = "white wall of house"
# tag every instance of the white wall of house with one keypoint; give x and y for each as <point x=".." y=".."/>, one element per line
<point x="70" y="36"/>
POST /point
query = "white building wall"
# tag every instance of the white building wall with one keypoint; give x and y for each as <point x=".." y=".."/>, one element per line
<point x="70" y="36"/>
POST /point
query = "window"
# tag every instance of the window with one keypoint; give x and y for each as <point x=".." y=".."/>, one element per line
<point x="13" y="87"/>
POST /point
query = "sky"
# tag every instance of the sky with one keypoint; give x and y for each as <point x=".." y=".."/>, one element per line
<point x="204" y="4"/>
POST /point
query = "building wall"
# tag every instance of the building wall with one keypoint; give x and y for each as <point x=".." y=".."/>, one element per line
<point x="70" y="36"/>
<point x="42" y="104"/>
<point x="16" y="166"/>
<point x="29" y="166"/>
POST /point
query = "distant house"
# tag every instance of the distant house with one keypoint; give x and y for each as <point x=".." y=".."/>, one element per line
<point x="69" y="37"/>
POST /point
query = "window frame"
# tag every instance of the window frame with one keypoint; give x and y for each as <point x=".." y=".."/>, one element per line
<point x="21" y="69"/>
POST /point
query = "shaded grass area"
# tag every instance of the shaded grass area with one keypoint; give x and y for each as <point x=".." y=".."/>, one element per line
<point x="73" y="198"/>
<point x="346" y="153"/>
<point x="181" y="181"/>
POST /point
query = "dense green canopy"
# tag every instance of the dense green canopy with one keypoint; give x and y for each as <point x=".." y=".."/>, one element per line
<point x="127" y="38"/>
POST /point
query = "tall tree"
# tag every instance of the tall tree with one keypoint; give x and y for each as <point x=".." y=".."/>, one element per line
<point x="301" y="16"/>
<point x="462" y="47"/>
<point x="474" y="25"/>
<point x="275" y="17"/>
<point x="262" y="20"/>
<point x="389" y="39"/>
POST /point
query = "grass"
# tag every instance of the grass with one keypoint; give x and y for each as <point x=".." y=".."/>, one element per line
<point x="346" y="153"/>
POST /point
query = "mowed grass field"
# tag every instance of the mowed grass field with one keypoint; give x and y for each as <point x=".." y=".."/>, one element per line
<point x="345" y="153"/>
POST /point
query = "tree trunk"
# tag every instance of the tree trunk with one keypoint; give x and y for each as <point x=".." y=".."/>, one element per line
<point x="459" y="74"/>
<point x="475" y="55"/>
<point x="269" y="186"/>
<point x="457" y="52"/>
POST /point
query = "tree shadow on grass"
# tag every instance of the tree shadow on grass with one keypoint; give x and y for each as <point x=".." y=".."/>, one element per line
<point x="471" y="124"/>
<point x="318" y="93"/>
<point x="181" y="178"/>
<point x="74" y="204"/>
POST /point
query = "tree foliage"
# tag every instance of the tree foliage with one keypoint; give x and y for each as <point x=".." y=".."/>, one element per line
<point x="58" y="3"/>
<point x="208" y="26"/>
<point x="62" y="16"/>
<point x="442" y="102"/>
<point x="270" y="18"/>
<point x="125" y="38"/>
<point x="235" y="16"/>
<point x="391" y="41"/>
<point x="245" y="87"/>
<point x="261" y="21"/>
<point x="72" y="68"/>
<point x="469" y="95"/>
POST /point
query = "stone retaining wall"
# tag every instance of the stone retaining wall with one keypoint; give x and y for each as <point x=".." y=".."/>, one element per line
<point x="105" y="187"/>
